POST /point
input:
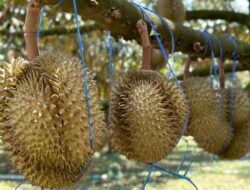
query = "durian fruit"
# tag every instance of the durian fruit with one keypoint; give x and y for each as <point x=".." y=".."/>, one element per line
<point x="241" y="108"/>
<point x="240" y="144"/>
<point x="208" y="122"/>
<point x="9" y="72"/>
<point x="46" y="131"/>
<point x="172" y="9"/>
<point x="148" y="114"/>
<point x="8" y="75"/>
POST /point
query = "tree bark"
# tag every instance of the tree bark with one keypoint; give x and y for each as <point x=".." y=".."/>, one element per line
<point x="124" y="26"/>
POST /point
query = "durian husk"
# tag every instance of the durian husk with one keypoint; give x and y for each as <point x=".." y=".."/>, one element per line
<point x="172" y="9"/>
<point x="208" y="122"/>
<point x="8" y="75"/>
<point x="240" y="144"/>
<point x="46" y="130"/>
<point x="148" y="115"/>
<point x="241" y="108"/>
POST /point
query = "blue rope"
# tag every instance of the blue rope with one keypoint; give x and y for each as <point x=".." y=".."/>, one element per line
<point x="209" y="43"/>
<point x="19" y="185"/>
<point x="166" y="57"/>
<point x="184" y="159"/>
<point x="176" y="175"/>
<point x="150" y="170"/>
<point x="169" y="74"/>
<point x="110" y="58"/>
<point x="40" y="23"/>
<point x="110" y="44"/>
<point x="220" y="54"/>
<point x="80" y="45"/>
<point x="234" y="56"/>
<point x="219" y="63"/>
<point x="84" y="168"/>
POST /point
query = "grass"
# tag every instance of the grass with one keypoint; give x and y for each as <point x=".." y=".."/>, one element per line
<point x="114" y="172"/>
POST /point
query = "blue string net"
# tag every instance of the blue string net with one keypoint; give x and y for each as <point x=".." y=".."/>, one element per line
<point x="238" y="106"/>
<point x="125" y="136"/>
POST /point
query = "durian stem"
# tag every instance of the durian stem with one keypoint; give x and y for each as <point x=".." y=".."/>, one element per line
<point x="222" y="75"/>
<point x="146" y="46"/>
<point x="187" y="68"/>
<point x="30" y="29"/>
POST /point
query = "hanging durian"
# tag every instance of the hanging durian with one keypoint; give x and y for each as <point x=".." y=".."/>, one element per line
<point x="46" y="132"/>
<point x="172" y="9"/>
<point x="240" y="144"/>
<point x="148" y="112"/>
<point x="208" y="122"/>
<point x="147" y="117"/>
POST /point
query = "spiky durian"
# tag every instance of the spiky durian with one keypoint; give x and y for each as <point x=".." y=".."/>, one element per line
<point x="172" y="9"/>
<point x="148" y="114"/>
<point x="240" y="144"/>
<point x="46" y="132"/>
<point x="208" y="122"/>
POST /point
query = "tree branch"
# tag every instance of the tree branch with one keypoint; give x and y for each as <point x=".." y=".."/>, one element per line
<point x="206" y="71"/>
<point x="229" y="16"/>
<point x="56" y="31"/>
<point x="6" y="10"/>
<point x="124" y="26"/>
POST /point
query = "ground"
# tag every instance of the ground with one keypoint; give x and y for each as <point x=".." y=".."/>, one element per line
<point x="114" y="172"/>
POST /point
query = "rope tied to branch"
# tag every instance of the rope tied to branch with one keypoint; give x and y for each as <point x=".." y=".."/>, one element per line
<point x="233" y="79"/>
<point x="213" y="73"/>
<point x="81" y="48"/>
<point x="111" y="70"/>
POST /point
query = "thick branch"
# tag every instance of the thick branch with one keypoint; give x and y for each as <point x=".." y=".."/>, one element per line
<point x="124" y="26"/>
<point x="206" y="71"/>
<point x="229" y="16"/>
<point x="55" y="31"/>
